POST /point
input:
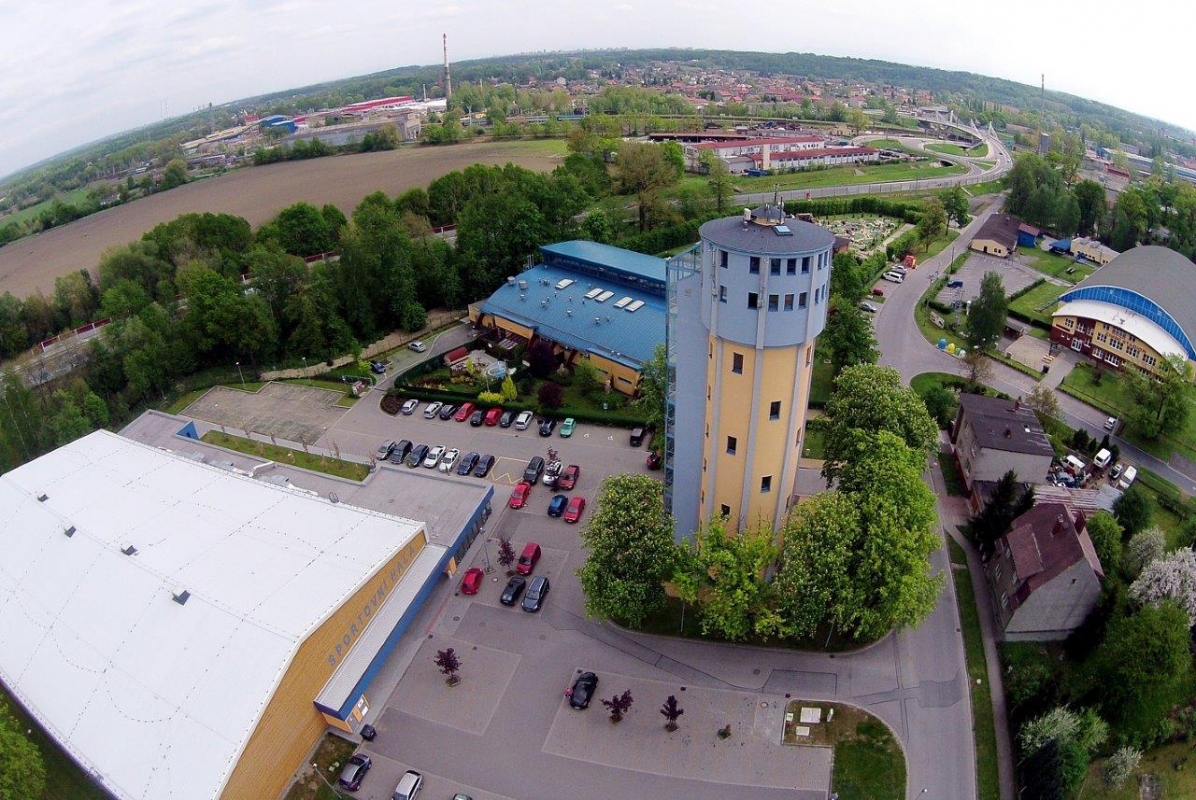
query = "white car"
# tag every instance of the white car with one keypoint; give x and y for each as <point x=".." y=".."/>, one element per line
<point x="899" y="269"/>
<point x="868" y="307"/>
<point x="893" y="277"/>
<point x="410" y="406"/>
<point x="433" y="457"/>
<point x="418" y="347"/>
<point x="523" y="420"/>
<point x="449" y="460"/>
<point x="433" y="409"/>
<point x="1110" y="423"/>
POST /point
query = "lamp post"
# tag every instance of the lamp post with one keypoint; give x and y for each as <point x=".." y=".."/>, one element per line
<point x="320" y="772"/>
<point x="242" y="374"/>
<point x="305" y="366"/>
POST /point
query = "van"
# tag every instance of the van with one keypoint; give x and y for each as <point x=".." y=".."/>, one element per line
<point x="1102" y="459"/>
<point x="1127" y="478"/>
<point x="637" y="437"/>
<point x="1074" y="464"/>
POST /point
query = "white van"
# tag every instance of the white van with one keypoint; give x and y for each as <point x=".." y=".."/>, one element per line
<point x="1102" y="459"/>
<point x="1127" y="478"/>
<point x="1075" y="465"/>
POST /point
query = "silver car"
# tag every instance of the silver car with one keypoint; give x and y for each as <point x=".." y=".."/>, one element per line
<point x="433" y="457"/>
<point x="433" y="409"/>
<point x="523" y="420"/>
<point x="409" y="786"/>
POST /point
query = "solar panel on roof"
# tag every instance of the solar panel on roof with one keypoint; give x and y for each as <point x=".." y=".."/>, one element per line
<point x="636" y="306"/>
<point x="624" y="301"/>
<point x="590" y="295"/>
<point x="602" y="298"/>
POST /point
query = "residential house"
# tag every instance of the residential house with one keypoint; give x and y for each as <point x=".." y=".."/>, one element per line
<point x="997" y="236"/>
<point x="1045" y="575"/>
<point x="993" y="436"/>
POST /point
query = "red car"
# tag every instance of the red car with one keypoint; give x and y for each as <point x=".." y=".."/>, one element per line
<point x="472" y="580"/>
<point x="464" y="412"/>
<point x="528" y="558"/>
<point x="520" y="495"/>
<point x="568" y="479"/>
<point x="493" y="416"/>
<point x="577" y="504"/>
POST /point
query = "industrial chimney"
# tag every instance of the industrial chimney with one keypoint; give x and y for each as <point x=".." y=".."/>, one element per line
<point x="448" y="78"/>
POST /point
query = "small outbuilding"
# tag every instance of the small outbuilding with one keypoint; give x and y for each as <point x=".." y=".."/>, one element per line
<point x="998" y="236"/>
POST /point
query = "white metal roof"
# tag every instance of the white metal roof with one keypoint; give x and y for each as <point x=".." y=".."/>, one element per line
<point x="1133" y="324"/>
<point x="155" y="698"/>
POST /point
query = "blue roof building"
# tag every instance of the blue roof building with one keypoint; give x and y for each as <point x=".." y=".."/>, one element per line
<point x="593" y="301"/>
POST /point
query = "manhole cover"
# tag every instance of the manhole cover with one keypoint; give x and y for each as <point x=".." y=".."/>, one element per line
<point x="756" y="671"/>
<point x="457" y="618"/>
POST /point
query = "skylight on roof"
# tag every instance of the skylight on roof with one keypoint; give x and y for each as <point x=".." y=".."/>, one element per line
<point x="564" y="283"/>
<point x="602" y="298"/>
<point x="622" y="302"/>
<point x="636" y="306"/>
<point x="590" y="295"/>
<point x="783" y="230"/>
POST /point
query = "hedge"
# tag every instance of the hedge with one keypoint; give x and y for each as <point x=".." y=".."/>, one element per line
<point x="1027" y="289"/>
<point x="860" y="204"/>
<point x="579" y="414"/>
<point x="661" y="239"/>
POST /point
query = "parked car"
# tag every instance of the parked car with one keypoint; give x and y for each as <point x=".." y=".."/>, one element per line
<point x="485" y="463"/>
<point x="528" y="558"/>
<point x="577" y="505"/>
<point x="1110" y="424"/>
<point x="514" y="588"/>
<point x="378" y="367"/>
<point x="567" y="427"/>
<point x="523" y="420"/>
<point x="409" y="785"/>
<point x="477" y="417"/>
<point x="410" y="406"/>
<point x="556" y="506"/>
<point x="900" y="269"/>
<point x="464" y="412"/>
<point x="868" y="307"/>
<point x="1115" y="473"/>
<point x="955" y="284"/>
<point x="583" y="690"/>
<point x="447" y="410"/>
<point x="433" y="409"/>
<point x="493" y="416"/>
<point x="878" y="291"/>
<point x="506" y="419"/>
<point x="637" y="436"/>
<point x="448" y="461"/>
<point x="568" y="478"/>
<point x="519" y="495"/>
<point x="385" y="448"/>
<point x="354" y="772"/>
<point x="552" y="472"/>
<point x="893" y="277"/>
<point x="418" y="347"/>
<point x="468" y="462"/>
<point x="547" y="425"/>
<point x="472" y="580"/>
<point x="537" y="591"/>
<point x="418" y="453"/>
<point x="655" y="460"/>
<point x="535" y="468"/>
<point x="433" y="457"/>
<point x="400" y="452"/>
<point x="1127" y="479"/>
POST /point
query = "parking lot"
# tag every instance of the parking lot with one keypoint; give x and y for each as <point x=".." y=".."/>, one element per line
<point x="288" y="411"/>
<point x="1014" y="275"/>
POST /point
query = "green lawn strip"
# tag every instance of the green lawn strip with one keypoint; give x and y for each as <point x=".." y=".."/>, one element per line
<point x="1039" y="302"/>
<point x="822" y="384"/>
<point x="1055" y="265"/>
<point x="958" y="556"/>
<point x="987" y="782"/>
<point x="951" y="480"/>
<point x="851" y="174"/>
<point x="814" y="445"/>
<point x="868" y="762"/>
<point x="284" y="455"/>
<point x="65" y="780"/>
<point x="988" y="187"/>
<point x="329" y="758"/>
<point x="947" y="149"/>
<point x="179" y="404"/>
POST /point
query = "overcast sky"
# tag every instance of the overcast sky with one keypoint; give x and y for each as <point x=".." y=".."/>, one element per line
<point x="72" y="71"/>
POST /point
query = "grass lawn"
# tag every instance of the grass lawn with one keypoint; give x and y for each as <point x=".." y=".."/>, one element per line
<point x="1055" y="265"/>
<point x="952" y="482"/>
<point x="285" y="455"/>
<point x="869" y="764"/>
<point x="539" y="147"/>
<point x="988" y="187"/>
<point x="815" y="443"/>
<point x="1170" y="764"/>
<point x="64" y="779"/>
<point x="26" y="214"/>
<point x="947" y="148"/>
<point x="851" y="174"/>
<point x="330" y="756"/>
<point x="822" y="384"/>
<point x="1039" y="302"/>
<point x="987" y="782"/>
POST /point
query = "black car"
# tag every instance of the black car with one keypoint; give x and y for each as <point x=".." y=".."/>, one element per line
<point x="583" y="690"/>
<point x="468" y="462"/>
<point x="485" y="463"/>
<point x="378" y="367"/>
<point x="535" y="468"/>
<point x="447" y="410"/>
<point x="475" y="419"/>
<point x="637" y="437"/>
<point x="514" y="588"/>
<point x="354" y="772"/>
<point x="417" y="455"/>
<point x="506" y="419"/>
<point x="536" y="592"/>
<point x="547" y="426"/>
<point x="401" y="451"/>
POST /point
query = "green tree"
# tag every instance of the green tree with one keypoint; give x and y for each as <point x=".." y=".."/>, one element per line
<point x="1007" y="501"/>
<point x="300" y="230"/>
<point x="495" y="235"/>
<point x="631" y="551"/>
<point x="848" y="278"/>
<point x="1142" y="665"/>
<point x="849" y="337"/>
<point x="871" y="398"/>
<point x="941" y="404"/>
<point x="1105" y="533"/>
<point x="508" y="391"/>
<point x="1090" y="196"/>
<point x="644" y="170"/>
<point x="817" y="560"/>
<point x="1133" y="510"/>
<point x="1042" y="401"/>
<point x="986" y="315"/>
<point x="22" y="771"/>
<point x="955" y="203"/>
<point x="933" y="222"/>
<point x="653" y="389"/>
<point x="857" y="120"/>
<point x="718" y="180"/>
<point x="1161" y="402"/>
<point x="174" y="175"/>
<point x="723" y="573"/>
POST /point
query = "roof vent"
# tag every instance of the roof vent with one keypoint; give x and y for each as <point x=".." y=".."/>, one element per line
<point x="180" y="595"/>
<point x="523" y="284"/>
<point x="544" y="303"/>
<point x="510" y="280"/>
<point x="42" y="497"/>
<point x="69" y="531"/>
<point x="568" y="312"/>
<point x="597" y="320"/>
<point x="523" y="297"/>
<point x="128" y="549"/>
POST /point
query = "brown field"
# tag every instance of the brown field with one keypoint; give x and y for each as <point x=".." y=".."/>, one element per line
<point x="257" y="194"/>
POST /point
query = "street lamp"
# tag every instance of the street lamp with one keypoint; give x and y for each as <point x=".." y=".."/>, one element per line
<point x="242" y="374"/>
<point x="305" y="366"/>
<point x="320" y="772"/>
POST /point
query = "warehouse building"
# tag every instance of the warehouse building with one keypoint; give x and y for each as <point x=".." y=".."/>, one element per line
<point x="184" y="630"/>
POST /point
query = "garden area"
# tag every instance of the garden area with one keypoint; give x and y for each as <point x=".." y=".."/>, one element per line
<point x="866" y="233"/>
<point x="1038" y="302"/>
<point x="869" y="764"/>
<point x="1062" y="267"/>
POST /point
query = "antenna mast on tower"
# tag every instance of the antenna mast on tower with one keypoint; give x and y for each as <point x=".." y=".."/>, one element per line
<point x="448" y="78"/>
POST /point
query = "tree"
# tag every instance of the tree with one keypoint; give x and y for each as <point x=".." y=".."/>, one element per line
<point x="857" y="120"/>
<point x="723" y="573"/>
<point x="850" y="338"/>
<point x="300" y="230"/>
<point x="955" y="203"/>
<point x="1064" y="725"/>
<point x="631" y="551"/>
<point x="449" y="664"/>
<point x="1007" y="501"/>
<point x="508" y="390"/>
<point x="1172" y="577"/>
<point x="1134" y="510"/>
<point x="718" y="181"/>
<point x="174" y="175"/>
<point x="1042" y="773"/>
<point x="22" y="770"/>
<point x="506" y="553"/>
<point x="619" y="705"/>
<point x="542" y="359"/>
<point x="643" y="170"/>
<point x="1042" y="401"/>
<point x="1075" y="736"/>
<point x="671" y="712"/>
<point x="986" y="315"/>
<point x="1093" y="206"/>
<point x="871" y="398"/>
<point x="1106" y="539"/>
<point x="551" y="395"/>
<point x="1121" y="765"/>
<point x="1144" y="548"/>
<point x="978" y="370"/>
<point x="933" y="222"/>
<point x="1162" y="401"/>
<point x="653" y="388"/>
<point x="816" y="561"/>
<point x="849" y="280"/>
<point x="1141" y="664"/>
<point x="941" y="404"/>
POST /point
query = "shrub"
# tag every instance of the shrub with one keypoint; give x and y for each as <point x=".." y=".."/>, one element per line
<point x="551" y="395"/>
<point x="490" y="398"/>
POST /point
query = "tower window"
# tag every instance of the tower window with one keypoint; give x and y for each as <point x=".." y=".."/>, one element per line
<point x="805" y="265"/>
<point x="774" y="410"/>
<point x="737" y="363"/>
<point x="722" y="258"/>
<point x="801" y="300"/>
<point x="774" y="266"/>
<point x="766" y="484"/>
<point x="732" y="445"/>
<point x="753" y="299"/>
<point x="725" y="510"/>
<point x="788" y="302"/>
<point x="774" y="302"/>
<point x="754" y="265"/>
<point x="791" y="266"/>
<point x="722" y="294"/>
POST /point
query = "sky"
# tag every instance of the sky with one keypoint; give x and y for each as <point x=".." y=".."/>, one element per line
<point x="73" y="71"/>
